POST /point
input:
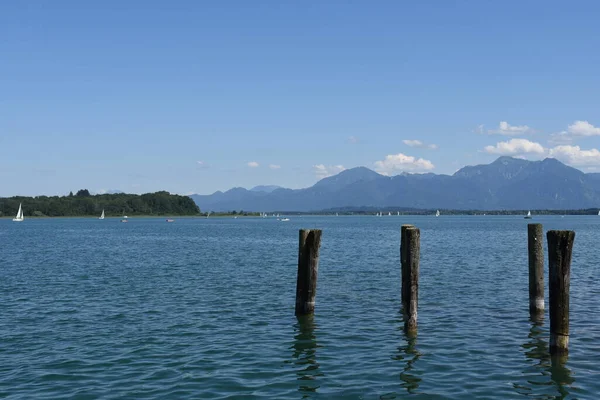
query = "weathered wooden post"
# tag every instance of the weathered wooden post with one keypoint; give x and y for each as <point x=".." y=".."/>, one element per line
<point x="560" y="250"/>
<point x="536" y="268"/>
<point x="410" y="253"/>
<point x="404" y="275"/>
<point x="308" y="268"/>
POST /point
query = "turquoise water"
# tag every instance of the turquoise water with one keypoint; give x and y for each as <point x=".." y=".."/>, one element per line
<point x="204" y="308"/>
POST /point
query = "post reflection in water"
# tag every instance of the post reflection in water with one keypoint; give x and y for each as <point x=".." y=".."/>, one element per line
<point x="551" y="370"/>
<point x="561" y="375"/>
<point x="408" y="353"/>
<point x="305" y="353"/>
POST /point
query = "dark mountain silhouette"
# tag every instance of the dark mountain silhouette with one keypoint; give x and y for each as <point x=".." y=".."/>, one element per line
<point x="505" y="184"/>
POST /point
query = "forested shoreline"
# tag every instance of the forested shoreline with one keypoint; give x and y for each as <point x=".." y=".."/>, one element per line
<point x="84" y="204"/>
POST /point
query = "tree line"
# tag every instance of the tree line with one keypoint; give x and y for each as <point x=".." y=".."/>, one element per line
<point x="84" y="204"/>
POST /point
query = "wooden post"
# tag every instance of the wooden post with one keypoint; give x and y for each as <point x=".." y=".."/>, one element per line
<point x="560" y="250"/>
<point x="308" y="268"/>
<point x="410" y="253"/>
<point x="404" y="274"/>
<point x="536" y="268"/>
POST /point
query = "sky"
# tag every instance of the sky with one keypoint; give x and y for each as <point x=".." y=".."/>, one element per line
<point x="198" y="96"/>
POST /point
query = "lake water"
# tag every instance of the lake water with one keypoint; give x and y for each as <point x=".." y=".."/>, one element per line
<point x="204" y="308"/>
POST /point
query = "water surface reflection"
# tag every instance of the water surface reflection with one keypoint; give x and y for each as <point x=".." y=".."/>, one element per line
<point x="548" y="376"/>
<point x="408" y="353"/>
<point x="305" y="355"/>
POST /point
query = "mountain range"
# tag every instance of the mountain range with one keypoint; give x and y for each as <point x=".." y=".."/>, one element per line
<point x="505" y="184"/>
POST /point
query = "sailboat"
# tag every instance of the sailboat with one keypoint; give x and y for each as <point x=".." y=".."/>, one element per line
<point x="102" y="216"/>
<point x="389" y="214"/>
<point x="528" y="216"/>
<point x="398" y="213"/>
<point x="437" y="213"/>
<point x="19" y="217"/>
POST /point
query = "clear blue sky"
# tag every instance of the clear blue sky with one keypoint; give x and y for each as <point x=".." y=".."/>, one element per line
<point x="181" y="96"/>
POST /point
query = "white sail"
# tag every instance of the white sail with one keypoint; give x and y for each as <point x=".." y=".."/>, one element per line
<point x="19" y="216"/>
<point x="529" y="213"/>
<point x="102" y="216"/>
<point x="437" y="213"/>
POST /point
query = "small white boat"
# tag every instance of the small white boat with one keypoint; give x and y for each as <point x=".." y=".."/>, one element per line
<point x="102" y="216"/>
<point x="125" y="216"/>
<point x="389" y="214"/>
<point x="19" y="217"/>
<point x="123" y="220"/>
<point x="398" y="213"/>
<point x="437" y="213"/>
<point x="285" y="219"/>
<point x="170" y="220"/>
<point x="528" y="216"/>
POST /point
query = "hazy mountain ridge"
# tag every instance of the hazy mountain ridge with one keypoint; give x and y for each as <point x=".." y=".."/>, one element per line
<point x="507" y="183"/>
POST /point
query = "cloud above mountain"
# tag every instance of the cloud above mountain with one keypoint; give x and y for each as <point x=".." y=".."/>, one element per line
<point x="569" y="154"/>
<point x="397" y="163"/>
<point x="506" y="129"/>
<point x="573" y="155"/>
<point x="583" y="128"/>
<point x="515" y="147"/>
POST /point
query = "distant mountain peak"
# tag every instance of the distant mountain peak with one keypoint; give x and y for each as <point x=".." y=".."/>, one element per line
<point x="347" y="177"/>
<point x="265" y="188"/>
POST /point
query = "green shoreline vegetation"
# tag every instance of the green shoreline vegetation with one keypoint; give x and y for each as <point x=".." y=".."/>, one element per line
<point x="83" y="204"/>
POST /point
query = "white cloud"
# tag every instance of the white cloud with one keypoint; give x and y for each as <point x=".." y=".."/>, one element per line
<point x="274" y="166"/>
<point x="402" y="163"/>
<point x="479" y="129"/>
<point x="504" y="128"/>
<point x="419" y="144"/>
<point x="353" y="139"/>
<point x="202" y="164"/>
<point x="323" y="171"/>
<point x="515" y="147"/>
<point x="253" y="164"/>
<point x="573" y="155"/>
<point x="583" y="128"/>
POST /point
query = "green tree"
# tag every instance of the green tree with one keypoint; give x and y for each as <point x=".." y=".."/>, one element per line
<point x="83" y="193"/>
